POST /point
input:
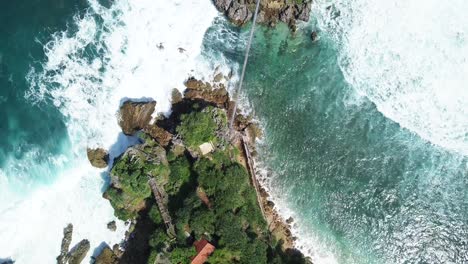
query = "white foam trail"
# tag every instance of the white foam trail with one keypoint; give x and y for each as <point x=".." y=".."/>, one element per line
<point x="112" y="54"/>
<point x="410" y="58"/>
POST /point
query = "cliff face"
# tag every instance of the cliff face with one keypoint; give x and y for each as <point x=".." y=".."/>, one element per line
<point x="271" y="11"/>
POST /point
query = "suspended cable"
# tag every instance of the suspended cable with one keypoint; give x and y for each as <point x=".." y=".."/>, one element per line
<point x="246" y="59"/>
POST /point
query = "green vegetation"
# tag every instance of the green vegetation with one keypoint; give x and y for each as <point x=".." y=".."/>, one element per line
<point x="208" y="197"/>
<point x="197" y="128"/>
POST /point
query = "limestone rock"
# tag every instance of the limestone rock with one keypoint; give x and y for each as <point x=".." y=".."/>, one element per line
<point x="199" y="90"/>
<point x="160" y="135"/>
<point x="98" y="157"/>
<point x="176" y="96"/>
<point x="194" y="84"/>
<point x="287" y="14"/>
<point x="112" y="226"/>
<point x="218" y="77"/>
<point x="223" y="5"/>
<point x="107" y="256"/>
<point x="66" y="241"/>
<point x="303" y="11"/>
<point x="134" y="116"/>
<point x="239" y="13"/>
<point x="78" y="253"/>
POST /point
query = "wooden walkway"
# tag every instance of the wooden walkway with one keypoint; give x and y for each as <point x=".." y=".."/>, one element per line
<point x="253" y="176"/>
<point x="161" y="199"/>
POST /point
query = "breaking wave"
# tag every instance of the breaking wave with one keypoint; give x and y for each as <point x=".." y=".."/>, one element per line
<point x="131" y="49"/>
<point x="410" y="58"/>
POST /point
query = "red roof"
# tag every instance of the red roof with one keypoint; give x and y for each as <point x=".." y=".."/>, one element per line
<point x="204" y="250"/>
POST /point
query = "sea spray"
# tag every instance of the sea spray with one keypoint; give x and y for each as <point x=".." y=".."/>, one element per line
<point x="130" y="49"/>
<point x="409" y="58"/>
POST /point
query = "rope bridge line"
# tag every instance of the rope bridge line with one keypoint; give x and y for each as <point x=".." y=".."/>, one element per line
<point x="246" y="59"/>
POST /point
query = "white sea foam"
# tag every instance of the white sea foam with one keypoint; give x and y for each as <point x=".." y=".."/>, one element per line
<point x="410" y="58"/>
<point x="111" y="54"/>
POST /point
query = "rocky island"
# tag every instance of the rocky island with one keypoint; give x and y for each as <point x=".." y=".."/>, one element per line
<point x="188" y="189"/>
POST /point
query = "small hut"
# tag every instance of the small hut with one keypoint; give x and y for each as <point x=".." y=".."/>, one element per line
<point x="204" y="250"/>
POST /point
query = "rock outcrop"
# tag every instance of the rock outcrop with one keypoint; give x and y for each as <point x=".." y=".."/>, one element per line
<point x="107" y="256"/>
<point x="98" y="157"/>
<point x="78" y="252"/>
<point x="176" y="96"/>
<point x="134" y="116"/>
<point x="197" y="89"/>
<point x="66" y="241"/>
<point x="240" y="12"/>
<point x="160" y="135"/>
<point x="112" y="226"/>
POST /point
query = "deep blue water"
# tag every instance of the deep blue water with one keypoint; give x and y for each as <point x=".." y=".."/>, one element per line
<point x="25" y="26"/>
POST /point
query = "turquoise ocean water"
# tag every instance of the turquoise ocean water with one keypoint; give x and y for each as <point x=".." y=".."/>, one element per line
<point x="361" y="185"/>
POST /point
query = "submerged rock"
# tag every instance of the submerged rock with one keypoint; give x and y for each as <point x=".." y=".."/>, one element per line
<point x="98" y="157"/>
<point x="134" y="116"/>
<point x="78" y="253"/>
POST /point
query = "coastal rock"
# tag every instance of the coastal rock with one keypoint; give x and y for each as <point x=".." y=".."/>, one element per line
<point x="240" y="12"/>
<point x="78" y="253"/>
<point x="160" y="135"/>
<point x="204" y="91"/>
<point x="194" y="84"/>
<point x="112" y="226"/>
<point x="66" y="241"/>
<point x="107" y="256"/>
<point x="134" y="116"/>
<point x="176" y="96"/>
<point x="303" y="11"/>
<point x="98" y="157"/>
<point x="223" y="5"/>
<point x="218" y="77"/>
<point x="287" y="14"/>
<point x="314" y="36"/>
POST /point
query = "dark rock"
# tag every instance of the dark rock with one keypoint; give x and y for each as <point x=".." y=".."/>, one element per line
<point x="194" y="84"/>
<point x="270" y="204"/>
<point x="289" y="220"/>
<point x="66" y="241"/>
<point x="239" y="13"/>
<point x="204" y="91"/>
<point x="218" y="77"/>
<point x="303" y="13"/>
<point x="288" y="14"/>
<point x="314" y="36"/>
<point x="107" y="256"/>
<point x="78" y="253"/>
<point x="176" y="96"/>
<point x="223" y="5"/>
<point x="134" y="116"/>
<point x="160" y="135"/>
<point x="112" y="226"/>
<point x="98" y="157"/>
